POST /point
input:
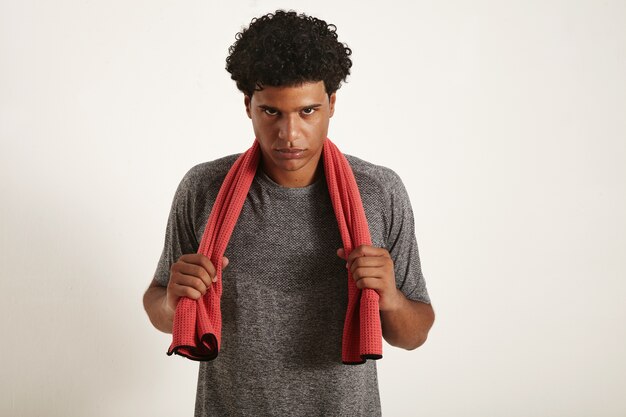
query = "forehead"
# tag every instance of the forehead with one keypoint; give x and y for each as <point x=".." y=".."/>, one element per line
<point x="292" y="96"/>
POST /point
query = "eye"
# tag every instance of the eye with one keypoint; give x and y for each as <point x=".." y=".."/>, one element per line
<point x="308" y="111"/>
<point x="270" y="112"/>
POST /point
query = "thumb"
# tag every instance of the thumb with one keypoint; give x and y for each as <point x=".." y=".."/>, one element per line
<point x="341" y="253"/>
<point x="224" y="262"/>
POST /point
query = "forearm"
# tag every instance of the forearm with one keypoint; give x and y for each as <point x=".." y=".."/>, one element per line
<point x="407" y="324"/>
<point x="154" y="302"/>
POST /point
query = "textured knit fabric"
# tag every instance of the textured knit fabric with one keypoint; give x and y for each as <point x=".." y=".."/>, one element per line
<point x="284" y="295"/>
<point x="198" y="323"/>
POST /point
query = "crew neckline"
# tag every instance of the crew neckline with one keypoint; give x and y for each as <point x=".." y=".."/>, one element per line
<point x="264" y="179"/>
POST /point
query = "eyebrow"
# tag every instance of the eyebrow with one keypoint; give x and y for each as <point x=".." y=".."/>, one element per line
<point x="310" y="106"/>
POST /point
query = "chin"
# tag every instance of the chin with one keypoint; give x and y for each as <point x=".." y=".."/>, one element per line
<point x="291" y="165"/>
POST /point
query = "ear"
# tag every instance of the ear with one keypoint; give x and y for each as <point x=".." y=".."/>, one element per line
<point x="247" y="100"/>
<point x="332" y="99"/>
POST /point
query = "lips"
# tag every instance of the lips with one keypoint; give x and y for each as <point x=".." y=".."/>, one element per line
<point x="290" y="153"/>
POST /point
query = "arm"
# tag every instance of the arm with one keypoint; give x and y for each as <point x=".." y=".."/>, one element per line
<point x="154" y="302"/>
<point x="405" y="323"/>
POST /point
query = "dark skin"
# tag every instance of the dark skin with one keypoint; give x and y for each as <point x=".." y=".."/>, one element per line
<point x="405" y="323"/>
<point x="190" y="276"/>
<point x="291" y="124"/>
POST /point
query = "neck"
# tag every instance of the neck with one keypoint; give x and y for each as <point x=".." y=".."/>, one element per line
<point x="295" y="179"/>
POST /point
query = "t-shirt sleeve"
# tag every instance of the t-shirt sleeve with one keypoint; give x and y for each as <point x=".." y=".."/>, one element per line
<point x="402" y="244"/>
<point x="180" y="237"/>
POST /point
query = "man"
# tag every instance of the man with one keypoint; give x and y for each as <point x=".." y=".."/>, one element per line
<point x="284" y="290"/>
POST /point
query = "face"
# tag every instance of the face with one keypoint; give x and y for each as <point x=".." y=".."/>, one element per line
<point x="291" y="124"/>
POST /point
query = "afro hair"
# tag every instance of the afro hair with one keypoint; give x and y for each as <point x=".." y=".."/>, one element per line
<point x="288" y="49"/>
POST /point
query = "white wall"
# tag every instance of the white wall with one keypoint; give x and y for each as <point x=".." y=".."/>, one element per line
<point x="506" y="121"/>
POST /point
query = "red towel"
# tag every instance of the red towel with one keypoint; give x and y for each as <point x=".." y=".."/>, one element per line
<point x="198" y="323"/>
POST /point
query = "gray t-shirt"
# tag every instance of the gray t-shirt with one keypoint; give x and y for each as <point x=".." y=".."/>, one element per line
<point x="285" y="291"/>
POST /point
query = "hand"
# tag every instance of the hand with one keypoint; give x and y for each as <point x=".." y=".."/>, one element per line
<point x="190" y="276"/>
<point x="372" y="267"/>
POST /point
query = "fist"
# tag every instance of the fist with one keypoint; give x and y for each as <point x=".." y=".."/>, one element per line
<point x="191" y="276"/>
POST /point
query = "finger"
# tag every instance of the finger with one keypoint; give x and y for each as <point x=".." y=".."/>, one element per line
<point x="365" y="273"/>
<point x="182" y="291"/>
<point x="190" y="258"/>
<point x="194" y="270"/>
<point x="374" y="256"/>
<point x="371" y="283"/>
<point x="341" y="252"/>
<point x="370" y="262"/>
<point x="196" y="259"/>
<point x="354" y="254"/>
<point x="367" y="250"/>
<point x="200" y="260"/>
<point x="179" y="281"/>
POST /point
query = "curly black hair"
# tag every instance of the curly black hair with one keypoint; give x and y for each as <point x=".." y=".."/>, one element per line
<point x="288" y="49"/>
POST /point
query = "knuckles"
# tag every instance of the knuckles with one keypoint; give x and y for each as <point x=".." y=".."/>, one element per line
<point x="191" y="293"/>
<point x="364" y="262"/>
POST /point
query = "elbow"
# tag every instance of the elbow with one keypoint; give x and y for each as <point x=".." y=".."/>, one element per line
<point x="417" y="342"/>
<point x="422" y="335"/>
<point x="408" y="343"/>
<point x="409" y="330"/>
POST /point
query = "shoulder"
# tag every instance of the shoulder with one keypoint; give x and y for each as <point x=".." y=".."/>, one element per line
<point x="207" y="175"/>
<point x="380" y="187"/>
<point x="374" y="178"/>
<point x="201" y="184"/>
<point x="198" y="190"/>
<point x="384" y="198"/>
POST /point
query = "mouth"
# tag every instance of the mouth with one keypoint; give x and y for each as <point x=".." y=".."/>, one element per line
<point x="290" y="153"/>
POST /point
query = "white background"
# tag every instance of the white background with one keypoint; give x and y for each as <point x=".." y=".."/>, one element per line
<point x="506" y="121"/>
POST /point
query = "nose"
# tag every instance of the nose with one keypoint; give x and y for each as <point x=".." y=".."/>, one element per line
<point x="289" y="127"/>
